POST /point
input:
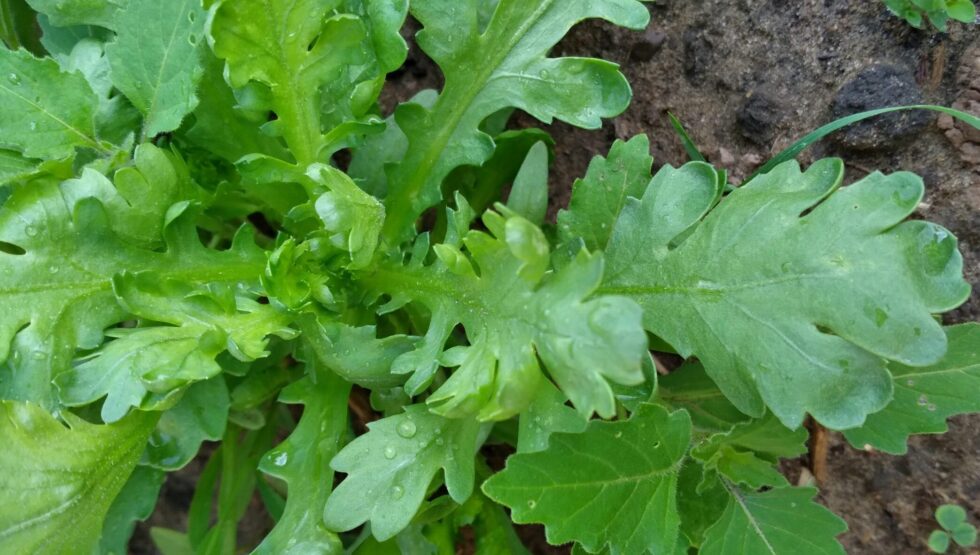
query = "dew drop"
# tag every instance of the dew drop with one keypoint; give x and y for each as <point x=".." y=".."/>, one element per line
<point x="397" y="492"/>
<point x="53" y="269"/>
<point x="923" y="400"/>
<point x="407" y="429"/>
<point x="14" y="78"/>
<point x="544" y="74"/>
<point x="281" y="459"/>
<point x="192" y="40"/>
<point x="191" y="16"/>
<point x="31" y="231"/>
<point x="618" y="435"/>
<point x="931" y="407"/>
<point x="33" y="125"/>
<point x="656" y="444"/>
<point x="910" y="383"/>
<point x="531" y="504"/>
<point x="39" y="355"/>
<point x="440" y="442"/>
<point x="390" y="452"/>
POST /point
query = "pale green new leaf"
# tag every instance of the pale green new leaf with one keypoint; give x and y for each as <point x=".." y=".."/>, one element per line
<point x="503" y="65"/>
<point x="155" y="60"/>
<point x="926" y="396"/>
<point x="613" y="486"/>
<point x="776" y="522"/>
<point x="749" y="452"/>
<point x="57" y="483"/>
<point x="44" y="112"/>
<point x="599" y="197"/>
<point x="222" y="128"/>
<point x="145" y="365"/>
<point x="13" y="166"/>
<point x="135" y="502"/>
<point x="690" y="388"/>
<point x="514" y="314"/>
<point x="303" y="462"/>
<point x="200" y="415"/>
<point x="269" y="41"/>
<point x="791" y="292"/>
<point x="389" y="469"/>
<point x="75" y="236"/>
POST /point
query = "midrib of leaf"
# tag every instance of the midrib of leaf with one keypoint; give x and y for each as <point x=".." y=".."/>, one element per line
<point x="456" y="106"/>
<point x="232" y="273"/>
<point x="917" y="372"/>
<point x="163" y="65"/>
<point x="706" y="288"/>
<point x="737" y="496"/>
<point x="300" y="112"/>
<point x="89" y="140"/>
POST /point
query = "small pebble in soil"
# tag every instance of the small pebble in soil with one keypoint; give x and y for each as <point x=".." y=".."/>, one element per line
<point x="880" y="86"/>
<point x="648" y="45"/>
<point x="758" y="118"/>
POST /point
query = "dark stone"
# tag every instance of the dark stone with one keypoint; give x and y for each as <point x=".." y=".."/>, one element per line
<point x="697" y="54"/>
<point x="880" y="86"/>
<point x="759" y="117"/>
<point x="649" y="44"/>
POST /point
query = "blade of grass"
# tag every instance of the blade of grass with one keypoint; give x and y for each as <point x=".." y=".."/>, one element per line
<point x="799" y="146"/>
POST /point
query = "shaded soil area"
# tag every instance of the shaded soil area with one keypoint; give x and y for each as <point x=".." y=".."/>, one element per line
<point x="747" y="78"/>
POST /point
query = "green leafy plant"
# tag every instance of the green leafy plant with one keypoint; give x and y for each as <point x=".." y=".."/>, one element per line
<point x="210" y="232"/>
<point x="955" y="528"/>
<point x="937" y="12"/>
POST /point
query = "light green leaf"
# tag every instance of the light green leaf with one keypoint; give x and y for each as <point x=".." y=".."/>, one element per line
<point x="63" y="13"/>
<point x="200" y="415"/>
<point x="794" y="312"/>
<point x="13" y="166"/>
<point x="513" y="314"/>
<point x="926" y="396"/>
<point x="155" y="60"/>
<point x="57" y="483"/>
<point x="389" y="469"/>
<point x="356" y="354"/>
<point x="938" y="541"/>
<point x="626" y="502"/>
<point x="303" y="461"/>
<point x="145" y="366"/>
<point x="778" y="521"/>
<point x="950" y="516"/>
<point x="220" y="126"/>
<point x="352" y="217"/>
<point x="690" y="388"/>
<point x="486" y="70"/>
<point x="547" y="414"/>
<point x="269" y="41"/>
<point x="749" y="452"/>
<point x="59" y="294"/>
<point x="59" y="41"/>
<point x="44" y="112"/>
<point x="529" y="196"/>
<point x="135" y="502"/>
<point x="599" y="197"/>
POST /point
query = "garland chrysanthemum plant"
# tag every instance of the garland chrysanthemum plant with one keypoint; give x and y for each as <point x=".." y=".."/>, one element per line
<point x="209" y="232"/>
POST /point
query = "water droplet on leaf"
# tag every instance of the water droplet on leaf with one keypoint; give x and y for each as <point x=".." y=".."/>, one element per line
<point x="407" y="429"/>
<point x="281" y="459"/>
<point x="390" y="452"/>
<point x="397" y="492"/>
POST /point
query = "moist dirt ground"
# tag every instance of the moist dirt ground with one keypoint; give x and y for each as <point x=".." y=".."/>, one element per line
<point x="747" y="78"/>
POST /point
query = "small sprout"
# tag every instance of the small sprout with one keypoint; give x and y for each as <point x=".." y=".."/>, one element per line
<point x="952" y="518"/>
